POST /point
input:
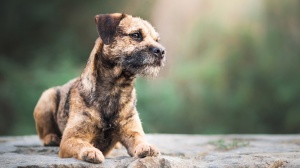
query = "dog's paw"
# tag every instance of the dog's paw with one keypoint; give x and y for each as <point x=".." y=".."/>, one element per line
<point x="91" y="155"/>
<point x="143" y="150"/>
<point x="51" y="140"/>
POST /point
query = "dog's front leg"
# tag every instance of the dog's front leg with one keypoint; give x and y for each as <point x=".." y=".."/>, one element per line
<point x="76" y="141"/>
<point x="133" y="138"/>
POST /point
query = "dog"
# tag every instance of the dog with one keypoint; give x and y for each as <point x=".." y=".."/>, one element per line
<point x="89" y="115"/>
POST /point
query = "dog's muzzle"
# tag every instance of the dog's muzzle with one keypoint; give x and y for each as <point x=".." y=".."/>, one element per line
<point x="146" y="62"/>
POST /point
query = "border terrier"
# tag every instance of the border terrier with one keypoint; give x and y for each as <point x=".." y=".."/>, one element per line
<point x="90" y="114"/>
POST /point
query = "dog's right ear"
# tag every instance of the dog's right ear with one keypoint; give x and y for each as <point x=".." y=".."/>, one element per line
<point x="107" y="25"/>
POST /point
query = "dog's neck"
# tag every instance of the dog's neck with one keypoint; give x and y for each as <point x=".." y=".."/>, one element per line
<point x="101" y="74"/>
<point x="102" y="83"/>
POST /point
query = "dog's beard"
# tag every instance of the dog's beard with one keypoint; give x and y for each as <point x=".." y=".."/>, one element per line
<point x="143" y="63"/>
<point x="149" y="71"/>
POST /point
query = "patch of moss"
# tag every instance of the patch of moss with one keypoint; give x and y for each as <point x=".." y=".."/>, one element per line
<point x="223" y="144"/>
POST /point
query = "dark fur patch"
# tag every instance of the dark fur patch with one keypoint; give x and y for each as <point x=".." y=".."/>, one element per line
<point x="67" y="103"/>
<point x="110" y="109"/>
<point x="57" y="103"/>
<point x="107" y="62"/>
<point x="140" y="60"/>
<point x="103" y="139"/>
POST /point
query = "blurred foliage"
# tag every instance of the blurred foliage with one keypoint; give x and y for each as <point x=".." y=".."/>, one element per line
<point x="245" y="80"/>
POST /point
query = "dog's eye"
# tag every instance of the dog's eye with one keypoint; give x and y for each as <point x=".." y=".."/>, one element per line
<point x="137" y="36"/>
<point x="157" y="40"/>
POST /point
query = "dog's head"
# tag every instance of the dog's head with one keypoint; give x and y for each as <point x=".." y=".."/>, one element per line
<point x="131" y="43"/>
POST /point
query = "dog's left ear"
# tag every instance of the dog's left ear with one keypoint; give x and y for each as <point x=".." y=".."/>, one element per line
<point x="107" y="25"/>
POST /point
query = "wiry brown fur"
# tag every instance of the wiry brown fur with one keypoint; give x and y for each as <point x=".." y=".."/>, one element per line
<point x="98" y="109"/>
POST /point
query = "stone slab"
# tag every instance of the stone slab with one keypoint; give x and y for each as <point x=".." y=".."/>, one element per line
<point x="177" y="151"/>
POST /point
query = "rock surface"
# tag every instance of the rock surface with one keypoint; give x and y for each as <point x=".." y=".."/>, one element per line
<point x="182" y="151"/>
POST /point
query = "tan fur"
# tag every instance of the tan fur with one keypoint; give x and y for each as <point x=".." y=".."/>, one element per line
<point x="97" y="110"/>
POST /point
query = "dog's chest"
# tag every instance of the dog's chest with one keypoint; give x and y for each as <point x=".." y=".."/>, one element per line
<point x="105" y="138"/>
<point x="109" y="108"/>
<point x="107" y="128"/>
<point x="111" y="104"/>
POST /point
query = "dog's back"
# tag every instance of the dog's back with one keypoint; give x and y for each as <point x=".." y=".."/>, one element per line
<point x="52" y="110"/>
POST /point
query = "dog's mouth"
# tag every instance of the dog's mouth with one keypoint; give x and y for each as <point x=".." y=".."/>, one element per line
<point x="143" y="63"/>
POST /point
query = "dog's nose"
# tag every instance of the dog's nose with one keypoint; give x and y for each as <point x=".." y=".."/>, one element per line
<point x="159" y="52"/>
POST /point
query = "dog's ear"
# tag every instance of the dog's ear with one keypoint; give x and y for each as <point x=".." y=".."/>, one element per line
<point x="107" y="25"/>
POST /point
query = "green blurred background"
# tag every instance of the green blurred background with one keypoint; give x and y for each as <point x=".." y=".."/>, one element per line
<point x="233" y="66"/>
